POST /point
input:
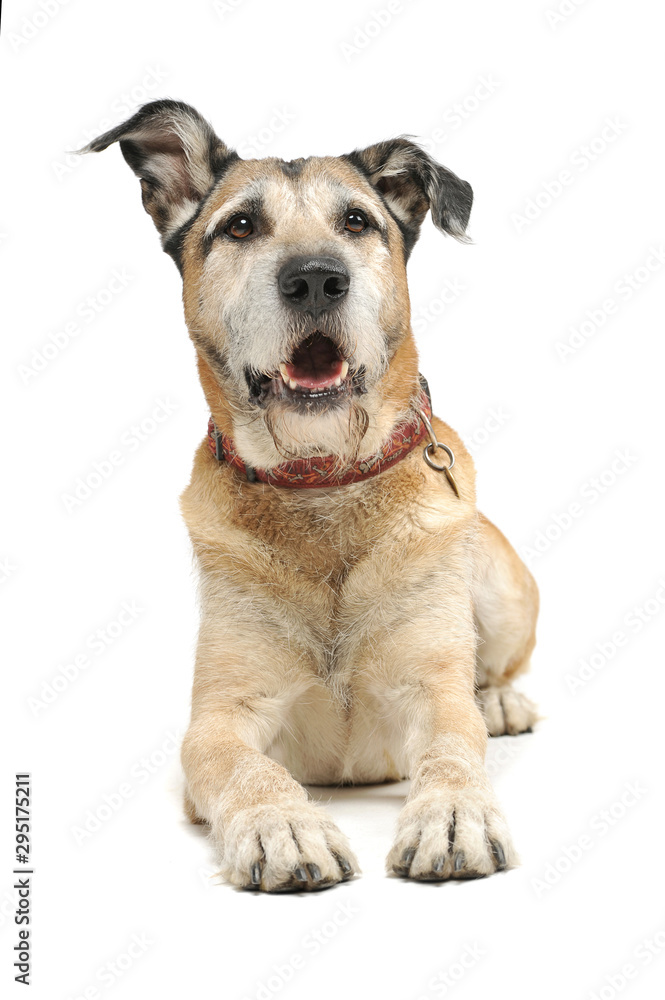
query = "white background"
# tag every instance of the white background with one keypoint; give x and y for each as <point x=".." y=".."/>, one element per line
<point x="68" y="223"/>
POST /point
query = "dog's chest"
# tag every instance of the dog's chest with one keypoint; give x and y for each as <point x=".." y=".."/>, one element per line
<point x="349" y="617"/>
<point x="341" y="583"/>
<point x="341" y="574"/>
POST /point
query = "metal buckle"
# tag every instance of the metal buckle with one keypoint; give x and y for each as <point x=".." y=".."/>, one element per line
<point x="434" y="445"/>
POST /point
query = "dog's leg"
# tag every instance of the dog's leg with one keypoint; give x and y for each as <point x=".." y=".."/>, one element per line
<point x="269" y="835"/>
<point x="506" y="607"/>
<point x="451" y="825"/>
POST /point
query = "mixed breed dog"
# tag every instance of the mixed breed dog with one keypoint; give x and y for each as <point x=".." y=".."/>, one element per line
<point x="361" y="622"/>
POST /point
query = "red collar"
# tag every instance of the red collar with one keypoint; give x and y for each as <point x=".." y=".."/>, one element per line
<point x="316" y="473"/>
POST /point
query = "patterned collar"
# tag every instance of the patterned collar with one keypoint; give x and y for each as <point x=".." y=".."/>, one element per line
<point x="317" y="473"/>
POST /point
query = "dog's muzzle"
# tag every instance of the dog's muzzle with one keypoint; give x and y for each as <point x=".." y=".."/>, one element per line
<point x="317" y="373"/>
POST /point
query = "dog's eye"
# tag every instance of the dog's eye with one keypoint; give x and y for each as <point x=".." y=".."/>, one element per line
<point x="240" y="226"/>
<point x="355" y="221"/>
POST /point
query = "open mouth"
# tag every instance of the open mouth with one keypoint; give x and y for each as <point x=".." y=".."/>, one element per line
<point x="316" y="371"/>
<point x="316" y="366"/>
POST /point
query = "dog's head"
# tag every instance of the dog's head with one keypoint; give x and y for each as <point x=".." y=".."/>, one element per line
<point x="294" y="275"/>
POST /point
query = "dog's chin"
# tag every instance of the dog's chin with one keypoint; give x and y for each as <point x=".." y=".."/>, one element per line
<point x="315" y="378"/>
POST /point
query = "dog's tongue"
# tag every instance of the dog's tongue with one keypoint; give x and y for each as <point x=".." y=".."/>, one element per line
<point x="315" y="364"/>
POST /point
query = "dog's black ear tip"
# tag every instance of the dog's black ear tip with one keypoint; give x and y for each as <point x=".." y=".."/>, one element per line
<point x="94" y="146"/>
<point x="457" y="232"/>
<point x="456" y="217"/>
<point x="453" y="222"/>
<point x="146" y="114"/>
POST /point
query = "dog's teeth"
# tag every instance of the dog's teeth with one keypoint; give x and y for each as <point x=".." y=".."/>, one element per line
<point x="338" y="381"/>
<point x="292" y="384"/>
<point x="283" y="372"/>
<point x="344" y="372"/>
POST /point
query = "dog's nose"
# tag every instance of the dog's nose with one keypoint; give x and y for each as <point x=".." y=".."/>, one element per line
<point x="313" y="284"/>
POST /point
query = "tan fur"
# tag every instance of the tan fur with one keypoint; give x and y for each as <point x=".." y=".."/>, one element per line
<point x="338" y="638"/>
<point x="362" y="633"/>
<point x="339" y="627"/>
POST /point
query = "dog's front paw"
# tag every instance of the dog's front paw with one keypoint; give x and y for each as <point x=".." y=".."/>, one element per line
<point x="450" y="833"/>
<point x="507" y="712"/>
<point x="282" y="846"/>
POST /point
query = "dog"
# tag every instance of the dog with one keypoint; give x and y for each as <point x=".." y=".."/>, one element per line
<point x="361" y="621"/>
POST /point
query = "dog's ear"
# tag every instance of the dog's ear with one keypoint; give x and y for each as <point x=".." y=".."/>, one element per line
<point x="411" y="182"/>
<point x="177" y="156"/>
